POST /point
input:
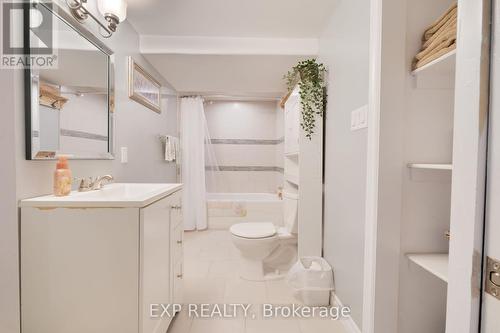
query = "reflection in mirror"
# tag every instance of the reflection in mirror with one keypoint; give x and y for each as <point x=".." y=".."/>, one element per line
<point x="71" y="105"/>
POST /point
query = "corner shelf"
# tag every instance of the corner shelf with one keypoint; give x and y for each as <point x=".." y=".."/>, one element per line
<point x="434" y="263"/>
<point x="430" y="166"/>
<point x="443" y="65"/>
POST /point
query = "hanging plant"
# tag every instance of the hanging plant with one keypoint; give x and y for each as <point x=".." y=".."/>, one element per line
<point x="310" y="77"/>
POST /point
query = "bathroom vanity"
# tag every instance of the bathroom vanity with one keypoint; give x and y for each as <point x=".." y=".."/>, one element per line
<point x="96" y="261"/>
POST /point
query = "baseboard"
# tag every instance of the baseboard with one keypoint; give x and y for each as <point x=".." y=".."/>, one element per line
<point x="348" y="323"/>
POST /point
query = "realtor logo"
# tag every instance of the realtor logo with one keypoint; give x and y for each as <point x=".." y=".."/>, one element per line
<point x="30" y="23"/>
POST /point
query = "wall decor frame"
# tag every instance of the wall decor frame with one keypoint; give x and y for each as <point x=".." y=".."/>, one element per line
<point x="143" y="87"/>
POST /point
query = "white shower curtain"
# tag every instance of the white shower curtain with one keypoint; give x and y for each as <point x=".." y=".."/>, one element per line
<point x="193" y="132"/>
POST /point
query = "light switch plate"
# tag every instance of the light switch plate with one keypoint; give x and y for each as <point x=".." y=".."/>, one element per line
<point x="359" y="118"/>
<point x="124" y="155"/>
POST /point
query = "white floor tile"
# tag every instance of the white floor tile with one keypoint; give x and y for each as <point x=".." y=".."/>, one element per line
<point x="278" y="292"/>
<point x="246" y="292"/>
<point x="211" y="276"/>
<point x="218" y="325"/>
<point x="317" y="325"/>
<point x="196" y="268"/>
<point x="272" y="325"/>
<point x="204" y="290"/>
<point x="224" y="268"/>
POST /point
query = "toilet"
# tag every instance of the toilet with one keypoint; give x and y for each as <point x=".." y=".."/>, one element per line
<point x="266" y="248"/>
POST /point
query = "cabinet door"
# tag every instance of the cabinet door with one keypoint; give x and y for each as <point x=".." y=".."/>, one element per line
<point x="155" y="264"/>
<point x="79" y="270"/>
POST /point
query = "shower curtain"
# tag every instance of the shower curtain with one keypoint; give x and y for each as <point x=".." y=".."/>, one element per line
<point x="193" y="133"/>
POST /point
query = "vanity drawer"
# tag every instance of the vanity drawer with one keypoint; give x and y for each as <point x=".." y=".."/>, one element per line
<point x="178" y="285"/>
<point x="177" y="243"/>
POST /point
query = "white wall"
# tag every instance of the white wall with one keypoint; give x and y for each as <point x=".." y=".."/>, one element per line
<point x="136" y="127"/>
<point x="257" y="121"/>
<point x="344" y="50"/>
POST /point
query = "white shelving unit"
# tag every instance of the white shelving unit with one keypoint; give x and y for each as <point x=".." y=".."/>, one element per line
<point x="417" y="119"/>
<point x="434" y="263"/>
<point x="430" y="166"/>
<point x="443" y="65"/>
<point x="429" y="115"/>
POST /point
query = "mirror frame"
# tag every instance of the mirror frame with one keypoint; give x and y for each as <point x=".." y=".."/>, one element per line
<point x="31" y="83"/>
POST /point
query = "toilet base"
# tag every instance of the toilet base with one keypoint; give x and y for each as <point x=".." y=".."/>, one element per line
<point x="251" y="270"/>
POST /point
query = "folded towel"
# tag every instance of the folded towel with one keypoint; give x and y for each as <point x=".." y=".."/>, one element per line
<point x="445" y="39"/>
<point x="435" y="56"/>
<point x="452" y="11"/>
<point x="450" y="25"/>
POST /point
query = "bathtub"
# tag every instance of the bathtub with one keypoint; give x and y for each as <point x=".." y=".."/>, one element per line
<point x="226" y="209"/>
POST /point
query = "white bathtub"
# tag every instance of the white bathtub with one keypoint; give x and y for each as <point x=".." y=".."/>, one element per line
<point x="226" y="209"/>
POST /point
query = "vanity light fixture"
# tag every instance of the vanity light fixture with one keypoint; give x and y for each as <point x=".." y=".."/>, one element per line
<point x="114" y="12"/>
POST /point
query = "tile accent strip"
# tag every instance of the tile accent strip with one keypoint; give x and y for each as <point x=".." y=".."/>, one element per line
<point x="246" y="168"/>
<point x="246" y="141"/>
<point x="84" y="135"/>
<point x="77" y="134"/>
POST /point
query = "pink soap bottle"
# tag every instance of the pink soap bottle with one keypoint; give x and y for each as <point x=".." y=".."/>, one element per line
<point x="62" y="177"/>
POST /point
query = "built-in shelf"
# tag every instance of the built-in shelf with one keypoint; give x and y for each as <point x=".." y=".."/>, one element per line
<point x="292" y="155"/>
<point x="434" y="263"/>
<point x="442" y="65"/>
<point x="294" y="179"/>
<point x="430" y="166"/>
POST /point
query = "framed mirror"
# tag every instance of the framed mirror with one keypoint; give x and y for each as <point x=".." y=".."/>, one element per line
<point x="69" y="106"/>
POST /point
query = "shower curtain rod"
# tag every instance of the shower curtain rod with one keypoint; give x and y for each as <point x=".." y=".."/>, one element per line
<point x="215" y="97"/>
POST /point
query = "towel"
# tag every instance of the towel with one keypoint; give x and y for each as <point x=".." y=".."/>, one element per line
<point x="439" y="39"/>
<point x="451" y="24"/>
<point x="171" y="148"/>
<point x="435" y="55"/>
<point x="445" y="40"/>
<point x="451" y="12"/>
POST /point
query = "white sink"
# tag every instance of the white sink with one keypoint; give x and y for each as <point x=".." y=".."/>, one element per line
<point x="110" y="196"/>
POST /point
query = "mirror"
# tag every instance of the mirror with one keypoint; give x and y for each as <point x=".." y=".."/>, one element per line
<point x="69" y="107"/>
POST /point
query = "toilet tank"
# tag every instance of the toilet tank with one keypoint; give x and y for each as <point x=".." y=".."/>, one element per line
<point x="291" y="205"/>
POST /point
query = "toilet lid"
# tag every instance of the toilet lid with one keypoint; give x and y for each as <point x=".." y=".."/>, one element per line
<point x="253" y="230"/>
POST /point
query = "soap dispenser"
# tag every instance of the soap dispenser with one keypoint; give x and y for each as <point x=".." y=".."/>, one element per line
<point x="62" y="177"/>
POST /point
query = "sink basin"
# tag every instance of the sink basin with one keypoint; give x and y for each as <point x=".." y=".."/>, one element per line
<point x="119" y="195"/>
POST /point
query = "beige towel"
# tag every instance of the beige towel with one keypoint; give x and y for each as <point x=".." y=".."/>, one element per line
<point x="451" y="24"/>
<point x="434" y="56"/>
<point x="452" y="11"/>
<point x="445" y="39"/>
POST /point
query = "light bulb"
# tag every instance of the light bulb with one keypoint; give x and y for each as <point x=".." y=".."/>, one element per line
<point x="117" y="8"/>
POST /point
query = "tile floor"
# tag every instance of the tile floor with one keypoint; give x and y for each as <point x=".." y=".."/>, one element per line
<point x="211" y="276"/>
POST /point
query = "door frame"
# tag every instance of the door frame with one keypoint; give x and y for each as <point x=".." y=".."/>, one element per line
<point x="469" y="173"/>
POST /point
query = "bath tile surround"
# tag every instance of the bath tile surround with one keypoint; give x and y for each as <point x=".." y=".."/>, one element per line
<point x="247" y="139"/>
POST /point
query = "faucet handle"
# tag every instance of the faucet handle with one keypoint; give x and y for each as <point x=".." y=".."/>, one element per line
<point x="85" y="184"/>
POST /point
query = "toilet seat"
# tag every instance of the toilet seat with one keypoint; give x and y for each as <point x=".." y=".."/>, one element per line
<point x="253" y="230"/>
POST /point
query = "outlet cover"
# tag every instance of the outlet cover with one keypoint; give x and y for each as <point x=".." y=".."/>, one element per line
<point x="124" y="155"/>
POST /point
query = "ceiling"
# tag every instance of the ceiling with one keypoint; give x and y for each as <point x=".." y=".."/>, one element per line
<point x="230" y="18"/>
<point x="258" y="74"/>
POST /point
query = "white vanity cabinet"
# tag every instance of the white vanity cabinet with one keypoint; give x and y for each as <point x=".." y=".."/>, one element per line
<point x="86" y="267"/>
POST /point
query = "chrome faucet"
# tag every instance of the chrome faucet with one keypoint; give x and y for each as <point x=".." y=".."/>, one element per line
<point x="91" y="184"/>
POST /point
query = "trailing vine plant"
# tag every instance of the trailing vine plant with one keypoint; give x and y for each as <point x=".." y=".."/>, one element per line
<point x="310" y="77"/>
